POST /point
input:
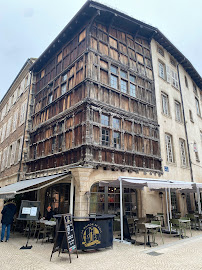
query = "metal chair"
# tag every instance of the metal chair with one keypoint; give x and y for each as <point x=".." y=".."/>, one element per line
<point x="141" y="230"/>
<point x="157" y="222"/>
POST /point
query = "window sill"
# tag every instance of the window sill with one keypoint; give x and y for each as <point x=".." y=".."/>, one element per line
<point x="166" y="115"/>
<point x="171" y="163"/>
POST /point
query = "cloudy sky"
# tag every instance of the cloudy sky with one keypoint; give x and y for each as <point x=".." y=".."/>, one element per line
<point x="27" y="27"/>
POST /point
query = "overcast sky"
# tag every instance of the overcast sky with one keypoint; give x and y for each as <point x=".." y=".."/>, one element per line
<point x="27" y="27"/>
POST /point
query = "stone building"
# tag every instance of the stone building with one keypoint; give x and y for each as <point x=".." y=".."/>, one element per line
<point x="110" y="99"/>
<point x="13" y="124"/>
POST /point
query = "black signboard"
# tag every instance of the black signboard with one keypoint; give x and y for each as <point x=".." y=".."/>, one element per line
<point x="29" y="210"/>
<point x="65" y="237"/>
<point x="94" y="233"/>
<point x="70" y="233"/>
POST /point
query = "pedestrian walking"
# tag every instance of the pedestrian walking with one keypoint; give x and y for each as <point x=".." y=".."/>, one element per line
<point x="8" y="213"/>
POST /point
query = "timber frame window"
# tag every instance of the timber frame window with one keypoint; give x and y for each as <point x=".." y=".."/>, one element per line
<point x="165" y="104"/>
<point x="114" y="81"/>
<point x="105" y="137"/>
<point x="169" y="148"/>
<point x="116" y="123"/>
<point x="105" y="120"/>
<point x="178" y="112"/>
<point x="183" y="153"/>
<point x="117" y="139"/>
<point x="63" y="89"/>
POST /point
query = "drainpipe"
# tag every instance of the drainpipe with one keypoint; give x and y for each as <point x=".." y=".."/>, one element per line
<point x="23" y="140"/>
<point x="185" y="127"/>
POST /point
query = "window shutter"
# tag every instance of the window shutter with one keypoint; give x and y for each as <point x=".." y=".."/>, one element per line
<point x="13" y="153"/>
<point x="20" y="148"/>
<point x="168" y="74"/>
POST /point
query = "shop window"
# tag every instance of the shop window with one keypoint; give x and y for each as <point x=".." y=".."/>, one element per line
<point x="106" y="200"/>
<point x="58" y="196"/>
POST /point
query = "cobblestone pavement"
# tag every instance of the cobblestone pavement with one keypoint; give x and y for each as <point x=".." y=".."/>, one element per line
<point x="174" y="254"/>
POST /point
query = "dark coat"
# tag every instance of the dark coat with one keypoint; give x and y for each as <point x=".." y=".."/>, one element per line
<point x="8" y="213"/>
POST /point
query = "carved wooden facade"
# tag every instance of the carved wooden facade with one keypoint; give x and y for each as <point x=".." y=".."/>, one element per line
<point x="95" y="103"/>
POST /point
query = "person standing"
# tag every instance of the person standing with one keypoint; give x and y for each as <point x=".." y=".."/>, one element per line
<point x="8" y="213"/>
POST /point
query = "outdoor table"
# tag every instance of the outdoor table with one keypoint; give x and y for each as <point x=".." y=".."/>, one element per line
<point x="150" y="226"/>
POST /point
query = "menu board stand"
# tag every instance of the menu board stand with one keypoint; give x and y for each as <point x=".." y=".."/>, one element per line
<point x="29" y="211"/>
<point x="65" y="236"/>
<point x="28" y="237"/>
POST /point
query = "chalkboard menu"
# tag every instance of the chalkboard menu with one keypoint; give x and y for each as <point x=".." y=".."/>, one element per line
<point x="29" y="210"/>
<point x="70" y="233"/>
<point x="65" y="236"/>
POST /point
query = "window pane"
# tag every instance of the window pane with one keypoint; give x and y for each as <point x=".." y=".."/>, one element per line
<point x="114" y="81"/>
<point x="114" y="69"/>
<point x="132" y="90"/>
<point x="105" y="120"/>
<point x="132" y="78"/>
<point x="123" y="74"/>
<point x="105" y="137"/>
<point x="116" y="123"/>
<point x="116" y="136"/>
<point x="63" y="88"/>
<point x="124" y="86"/>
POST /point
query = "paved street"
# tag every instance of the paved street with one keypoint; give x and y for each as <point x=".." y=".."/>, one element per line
<point x="175" y="254"/>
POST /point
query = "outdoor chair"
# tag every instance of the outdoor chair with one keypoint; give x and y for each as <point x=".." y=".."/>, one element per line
<point x="141" y="231"/>
<point x="131" y="225"/>
<point x="185" y="226"/>
<point x="157" y="222"/>
<point x="193" y="220"/>
<point x="45" y="231"/>
<point x="176" y="225"/>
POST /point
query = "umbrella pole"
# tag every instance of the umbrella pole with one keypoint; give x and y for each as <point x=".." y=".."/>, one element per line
<point x="167" y="209"/>
<point x="121" y="209"/>
<point x="199" y="202"/>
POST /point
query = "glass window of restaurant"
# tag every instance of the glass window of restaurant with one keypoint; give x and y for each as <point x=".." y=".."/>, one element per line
<point x="58" y="197"/>
<point x="106" y="200"/>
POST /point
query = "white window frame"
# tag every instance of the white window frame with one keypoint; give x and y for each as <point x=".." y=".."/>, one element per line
<point x="183" y="154"/>
<point x="169" y="148"/>
<point x="165" y="104"/>
<point x="174" y="79"/>
<point x="178" y="111"/>
<point x="162" y="70"/>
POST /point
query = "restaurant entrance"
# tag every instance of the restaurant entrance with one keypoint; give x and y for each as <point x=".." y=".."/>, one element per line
<point x="58" y="197"/>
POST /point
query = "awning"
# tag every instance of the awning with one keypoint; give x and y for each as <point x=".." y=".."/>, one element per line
<point x="29" y="185"/>
<point x="151" y="183"/>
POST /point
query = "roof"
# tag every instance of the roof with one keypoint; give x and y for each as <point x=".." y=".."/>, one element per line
<point x="89" y="10"/>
